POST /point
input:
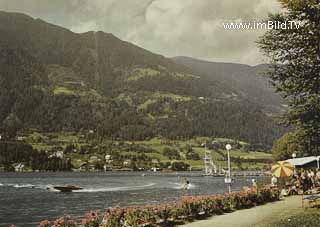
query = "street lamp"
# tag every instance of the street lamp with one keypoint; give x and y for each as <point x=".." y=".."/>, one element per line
<point x="294" y="155"/>
<point x="228" y="179"/>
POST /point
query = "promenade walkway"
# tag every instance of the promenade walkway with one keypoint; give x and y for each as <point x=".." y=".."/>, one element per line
<point x="253" y="216"/>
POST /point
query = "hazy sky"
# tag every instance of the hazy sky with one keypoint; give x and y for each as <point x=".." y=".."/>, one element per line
<point x="169" y="27"/>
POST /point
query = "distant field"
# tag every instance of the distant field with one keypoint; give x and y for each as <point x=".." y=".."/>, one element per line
<point x="48" y="141"/>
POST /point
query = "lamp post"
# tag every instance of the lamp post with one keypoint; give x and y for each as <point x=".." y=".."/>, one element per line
<point x="228" y="178"/>
<point x="294" y="155"/>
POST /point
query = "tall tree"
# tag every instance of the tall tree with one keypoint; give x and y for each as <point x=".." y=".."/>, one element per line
<point x="284" y="147"/>
<point x="295" y="56"/>
<point x="11" y="125"/>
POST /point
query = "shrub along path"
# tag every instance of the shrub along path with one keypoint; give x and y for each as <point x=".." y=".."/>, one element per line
<point x="254" y="216"/>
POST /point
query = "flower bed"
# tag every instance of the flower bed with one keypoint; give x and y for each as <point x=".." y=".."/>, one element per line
<point x="187" y="209"/>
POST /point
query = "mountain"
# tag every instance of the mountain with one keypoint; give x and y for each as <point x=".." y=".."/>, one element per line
<point x="53" y="80"/>
<point x="248" y="81"/>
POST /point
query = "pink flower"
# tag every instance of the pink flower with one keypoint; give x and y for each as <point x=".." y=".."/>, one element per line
<point x="44" y="223"/>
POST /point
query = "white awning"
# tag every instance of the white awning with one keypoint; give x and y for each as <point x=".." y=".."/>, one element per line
<point x="303" y="161"/>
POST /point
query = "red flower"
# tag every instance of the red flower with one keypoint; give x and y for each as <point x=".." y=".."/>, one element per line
<point x="44" y="223"/>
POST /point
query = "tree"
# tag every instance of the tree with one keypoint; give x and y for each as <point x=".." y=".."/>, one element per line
<point x="179" y="166"/>
<point x="295" y="58"/>
<point x="284" y="147"/>
<point x="171" y="153"/>
<point x="191" y="155"/>
<point x="11" y="125"/>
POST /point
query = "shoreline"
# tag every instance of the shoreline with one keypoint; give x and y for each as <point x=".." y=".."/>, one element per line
<point x="253" y="216"/>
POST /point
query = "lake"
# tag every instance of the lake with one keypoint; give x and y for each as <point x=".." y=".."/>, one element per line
<point x="25" y="199"/>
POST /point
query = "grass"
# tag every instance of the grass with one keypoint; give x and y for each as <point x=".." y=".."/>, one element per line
<point x="249" y="155"/>
<point x="159" y="145"/>
<point x="305" y="218"/>
<point x="140" y="73"/>
<point x="125" y="98"/>
<point x="42" y="146"/>
<point x="154" y="97"/>
<point x="146" y="104"/>
<point x="180" y="75"/>
<point x="176" y="98"/>
<point x="63" y="90"/>
<point x="46" y="141"/>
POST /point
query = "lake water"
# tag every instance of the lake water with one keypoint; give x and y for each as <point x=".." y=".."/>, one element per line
<point x="25" y="200"/>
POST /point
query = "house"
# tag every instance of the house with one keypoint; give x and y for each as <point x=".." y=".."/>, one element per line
<point x="155" y="161"/>
<point x="21" y="138"/>
<point x="126" y="162"/>
<point x="108" y="159"/>
<point x="155" y="169"/>
<point x="305" y="162"/>
<point x="94" y="159"/>
<point x="57" y="154"/>
<point x="19" y="167"/>
<point x="87" y="167"/>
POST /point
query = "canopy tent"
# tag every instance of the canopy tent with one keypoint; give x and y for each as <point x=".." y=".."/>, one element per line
<point x="311" y="161"/>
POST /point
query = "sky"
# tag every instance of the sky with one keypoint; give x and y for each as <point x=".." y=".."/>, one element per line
<point x="191" y="28"/>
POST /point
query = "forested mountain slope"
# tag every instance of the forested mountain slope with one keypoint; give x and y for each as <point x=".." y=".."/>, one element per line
<point x="52" y="79"/>
<point x="250" y="81"/>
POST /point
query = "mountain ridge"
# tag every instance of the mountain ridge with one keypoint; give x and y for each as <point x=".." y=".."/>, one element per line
<point x="94" y="80"/>
<point x="248" y="80"/>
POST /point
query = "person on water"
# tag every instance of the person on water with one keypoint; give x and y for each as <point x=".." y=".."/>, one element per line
<point x="186" y="184"/>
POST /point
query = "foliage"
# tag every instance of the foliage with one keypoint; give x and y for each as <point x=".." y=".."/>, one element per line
<point x="91" y="219"/>
<point x="295" y="54"/>
<point x="94" y="81"/>
<point x="65" y="221"/>
<point x="19" y="152"/>
<point x="284" y="147"/>
<point x="11" y="126"/>
<point x="171" y="153"/>
<point x="192" y="156"/>
<point x="187" y="209"/>
<point x="179" y="166"/>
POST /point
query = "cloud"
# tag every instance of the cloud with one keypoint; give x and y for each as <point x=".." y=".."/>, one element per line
<point x="169" y="27"/>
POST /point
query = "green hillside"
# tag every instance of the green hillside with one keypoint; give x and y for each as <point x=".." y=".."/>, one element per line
<point x="81" y="149"/>
<point x="55" y="81"/>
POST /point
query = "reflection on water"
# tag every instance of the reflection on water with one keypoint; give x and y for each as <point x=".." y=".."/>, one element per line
<point x="25" y="198"/>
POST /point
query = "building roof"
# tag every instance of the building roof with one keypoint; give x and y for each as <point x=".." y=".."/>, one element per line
<point x="302" y="161"/>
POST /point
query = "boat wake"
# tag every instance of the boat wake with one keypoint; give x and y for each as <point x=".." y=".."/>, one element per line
<point x="24" y="186"/>
<point x="18" y="185"/>
<point x="104" y="189"/>
<point x="179" y="186"/>
<point x="140" y="187"/>
<point x="33" y="186"/>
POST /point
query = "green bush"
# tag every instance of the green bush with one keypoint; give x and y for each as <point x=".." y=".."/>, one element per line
<point x="187" y="209"/>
